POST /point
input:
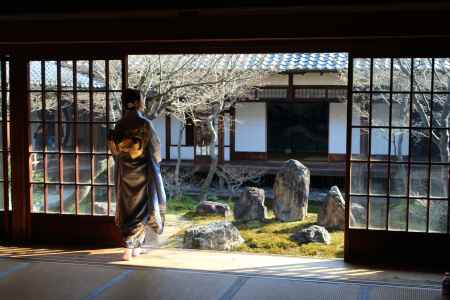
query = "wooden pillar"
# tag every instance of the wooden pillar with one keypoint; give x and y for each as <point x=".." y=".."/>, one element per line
<point x="124" y="72"/>
<point x="5" y="230"/>
<point x="232" y="132"/>
<point x="168" y="137"/>
<point x="348" y="174"/>
<point x="19" y="105"/>
<point x="291" y="90"/>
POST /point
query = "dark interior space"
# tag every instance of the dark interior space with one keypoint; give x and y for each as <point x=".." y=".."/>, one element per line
<point x="297" y="130"/>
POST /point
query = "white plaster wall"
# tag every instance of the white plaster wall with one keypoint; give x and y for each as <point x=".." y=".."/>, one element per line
<point x="174" y="132"/>
<point x="396" y="140"/>
<point x="250" y="135"/>
<point x="307" y="79"/>
<point x="187" y="152"/>
<point x="204" y="150"/>
<point x="398" y="143"/>
<point x="319" y="79"/>
<point x="379" y="137"/>
<point x="337" y="137"/>
<point x="226" y="153"/>
<point x="356" y="140"/>
<point x="160" y="127"/>
<point x="380" y="141"/>
<point x="380" y="114"/>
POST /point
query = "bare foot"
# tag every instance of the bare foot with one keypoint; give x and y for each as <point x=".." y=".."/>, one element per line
<point x="137" y="251"/>
<point x="127" y="255"/>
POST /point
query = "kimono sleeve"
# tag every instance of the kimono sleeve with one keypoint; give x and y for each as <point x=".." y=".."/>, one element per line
<point x="154" y="145"/>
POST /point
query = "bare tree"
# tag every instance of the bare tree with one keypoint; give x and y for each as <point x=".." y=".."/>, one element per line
<point x="236" y="176"/>
<point x="185" y="179"/>
<point x="198" y="87"/>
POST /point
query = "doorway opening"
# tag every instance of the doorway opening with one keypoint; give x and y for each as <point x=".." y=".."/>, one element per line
<point x="297" y="130"/>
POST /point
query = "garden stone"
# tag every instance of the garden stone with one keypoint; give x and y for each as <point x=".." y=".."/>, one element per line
<point x="250" y="205"/>
<point x="358" y="215"/>
<point x="213" y="208"/>
<point x="101" y="208"/>
<point x="332" y="212"/>
<point x="312" y="234"/>
<point x="291" y="191"/>
<point x="213" y="236"/>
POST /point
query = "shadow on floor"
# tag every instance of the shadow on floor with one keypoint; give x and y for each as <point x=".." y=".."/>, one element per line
<point x="223" y="262"/>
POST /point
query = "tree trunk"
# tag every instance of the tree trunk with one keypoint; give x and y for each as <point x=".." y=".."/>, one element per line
<point x="214" y="161"/>
<point x="178" y="190"/>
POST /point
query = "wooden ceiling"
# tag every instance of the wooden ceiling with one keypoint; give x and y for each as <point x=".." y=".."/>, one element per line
<point x="403" y="27"/>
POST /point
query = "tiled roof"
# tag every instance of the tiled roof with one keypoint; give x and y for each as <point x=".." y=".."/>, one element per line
<point x="281" y="62"/>
<point x="51" y="77"/>
<point x="275" y="62"/>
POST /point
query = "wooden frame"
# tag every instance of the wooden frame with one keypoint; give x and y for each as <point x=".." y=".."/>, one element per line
<point x="291" y="93"/>
<point x="28" y="226"/>
<point x="249" y="155"/>
<point x="374" y="244"/>
<point x="5" y="213"/>
<point x="21" y="205"/>
<point x="398" y="34"/>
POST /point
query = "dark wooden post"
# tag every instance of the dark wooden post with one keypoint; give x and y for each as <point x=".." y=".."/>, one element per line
<point x="291" y="91"/>
<point x="348" y="156"/>
<point x="5" y="231"/>
<point x="232" y="132"/>
<point x="168" y="137"/>
<point x="19" y="105"/>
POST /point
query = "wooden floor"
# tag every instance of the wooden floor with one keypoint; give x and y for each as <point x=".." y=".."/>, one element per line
<point x="60" y="273"/>
<point x="317" y="168"/>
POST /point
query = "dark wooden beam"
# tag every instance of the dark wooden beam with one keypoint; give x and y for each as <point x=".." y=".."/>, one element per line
<point x="404" y="29"/>
<point x="168" y="137"/>
<point x="291" y="89"/>
<point x="19" y="149"/>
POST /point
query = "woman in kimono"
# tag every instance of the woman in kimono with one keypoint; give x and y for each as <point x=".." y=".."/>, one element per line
<point x="140" y="195"/>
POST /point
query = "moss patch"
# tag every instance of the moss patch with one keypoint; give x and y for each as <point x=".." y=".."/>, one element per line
<point x="271" y="236"/>
<point x="274" y="237"/>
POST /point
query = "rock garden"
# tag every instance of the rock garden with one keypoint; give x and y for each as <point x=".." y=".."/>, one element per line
<point x="288" y="223"/>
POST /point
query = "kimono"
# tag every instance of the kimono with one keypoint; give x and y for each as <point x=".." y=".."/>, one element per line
<point x="140" y="195"/>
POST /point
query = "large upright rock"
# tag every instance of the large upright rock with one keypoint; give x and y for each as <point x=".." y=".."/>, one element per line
<point x="291" y="191"/>
<point x="250" y="205"/>
<point x="332" y="213"/>
<point x="213" y="236"/>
